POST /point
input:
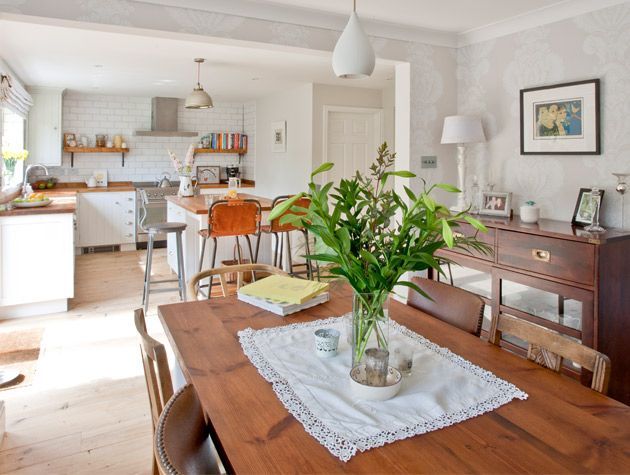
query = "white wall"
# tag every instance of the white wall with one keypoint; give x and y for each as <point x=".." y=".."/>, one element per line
<point x="91" y="114"/>
<point x="287" y="172"/>
<point x="490" y="75"/>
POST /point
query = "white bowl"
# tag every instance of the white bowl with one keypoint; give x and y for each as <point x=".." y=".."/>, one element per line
<point x="358" y="383"/>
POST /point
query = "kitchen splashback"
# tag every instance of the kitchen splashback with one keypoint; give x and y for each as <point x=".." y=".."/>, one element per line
<point x="89" y="114"/>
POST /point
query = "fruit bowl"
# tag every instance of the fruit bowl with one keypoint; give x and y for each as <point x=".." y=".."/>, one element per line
<point x="34" y="200"/>
<point x="46" y="184"/>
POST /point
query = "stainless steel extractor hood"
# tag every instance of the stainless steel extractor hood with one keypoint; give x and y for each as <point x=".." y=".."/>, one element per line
<point x="164" y="119"/>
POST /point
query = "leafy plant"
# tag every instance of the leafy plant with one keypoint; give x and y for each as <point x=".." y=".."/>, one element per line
<point x="373" y="237"/>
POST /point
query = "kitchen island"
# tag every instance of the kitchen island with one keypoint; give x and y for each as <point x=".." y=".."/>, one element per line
<point x="194" y="212"/>
<point x="37" y="259"/>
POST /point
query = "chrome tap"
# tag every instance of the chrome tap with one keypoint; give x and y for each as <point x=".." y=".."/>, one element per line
<point x="28" y="169"/>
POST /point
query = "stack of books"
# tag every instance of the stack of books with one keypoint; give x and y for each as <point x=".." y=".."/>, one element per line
<point x="284" y="295"/>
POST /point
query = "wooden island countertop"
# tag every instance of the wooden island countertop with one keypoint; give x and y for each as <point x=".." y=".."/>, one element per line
<point x="199" y="205"/>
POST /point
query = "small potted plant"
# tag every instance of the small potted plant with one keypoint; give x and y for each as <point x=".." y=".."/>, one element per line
<point x="530" y="212"/>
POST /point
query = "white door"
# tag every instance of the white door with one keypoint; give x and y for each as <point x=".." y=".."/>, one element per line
<point x="352" y="138"/>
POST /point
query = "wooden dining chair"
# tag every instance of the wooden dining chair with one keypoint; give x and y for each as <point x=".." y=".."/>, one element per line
<point x="182" y="443"/>
<point x="453" y="305"/>
<point x="193" y="284"/>
<point x="156" y="372"/>
<point x="549" y="348"/>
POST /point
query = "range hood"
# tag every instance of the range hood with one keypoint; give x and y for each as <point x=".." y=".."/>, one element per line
<point x="164" y="119"/>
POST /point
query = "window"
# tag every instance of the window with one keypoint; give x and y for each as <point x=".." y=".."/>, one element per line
<point x="12" y="126"/>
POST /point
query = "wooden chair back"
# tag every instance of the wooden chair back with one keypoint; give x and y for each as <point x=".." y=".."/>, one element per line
<point x="453" y="305"/>
<point x="193" y="284"/>
<point x="182" y="443"/>
<point x="156" y="369"/>
<point x="549" y="348"/>
<point x="234" y="218"/>
<point x="275" y="226"/>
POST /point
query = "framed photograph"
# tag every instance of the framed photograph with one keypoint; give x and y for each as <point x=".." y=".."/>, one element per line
<point x="496" y="203"/>
<point x="279" y="136"/>
<point x="209" y="174"/>
<point x="69" y="140"/>
<point x="585" y="207"/>
<point x="562" y="119"/>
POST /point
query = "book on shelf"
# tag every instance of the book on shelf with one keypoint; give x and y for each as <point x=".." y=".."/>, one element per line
<point x="283" y="308"/>
<point x="227" y="141"/>
<point x="283" y="288"/>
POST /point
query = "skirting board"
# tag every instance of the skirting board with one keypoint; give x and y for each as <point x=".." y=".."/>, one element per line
<point x="33" y="309"/>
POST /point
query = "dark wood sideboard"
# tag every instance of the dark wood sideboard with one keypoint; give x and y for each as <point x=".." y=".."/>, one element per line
<point x="559" y="276"/>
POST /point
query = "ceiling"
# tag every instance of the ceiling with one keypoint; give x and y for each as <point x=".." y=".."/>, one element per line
<point x="127" y="64"/>
<point x="431" y="14"/>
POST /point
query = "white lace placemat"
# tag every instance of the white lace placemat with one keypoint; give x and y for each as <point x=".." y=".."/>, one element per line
<point x="443" y="389"/>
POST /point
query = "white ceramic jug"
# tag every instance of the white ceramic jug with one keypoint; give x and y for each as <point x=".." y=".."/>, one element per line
<point x="185" y="185"/>
<point x="91" y="182"/>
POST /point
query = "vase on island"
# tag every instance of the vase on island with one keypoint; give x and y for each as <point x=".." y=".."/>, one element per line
<point x="185" y="186"/>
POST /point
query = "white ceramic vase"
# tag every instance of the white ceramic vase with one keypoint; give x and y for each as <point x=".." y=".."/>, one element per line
<point x="530" y="214"/>
<point x="185" y="186"/>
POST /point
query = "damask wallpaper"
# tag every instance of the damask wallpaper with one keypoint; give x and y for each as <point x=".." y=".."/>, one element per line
<point x="490" y="75"/>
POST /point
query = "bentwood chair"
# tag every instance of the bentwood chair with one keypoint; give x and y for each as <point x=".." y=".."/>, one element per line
<point x="156" y="372"/>
<point x="281" y="234"/>
<point x="231" y="218"/>
<point x="182" y="443"/>
<point x="193" y="284"/>
<point x="453" y="305"/>
<point x="549" y="348"/>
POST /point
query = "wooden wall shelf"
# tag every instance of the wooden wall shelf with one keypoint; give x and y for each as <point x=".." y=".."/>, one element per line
<point x="239" y="151"/>
<point x="73" y="150"/>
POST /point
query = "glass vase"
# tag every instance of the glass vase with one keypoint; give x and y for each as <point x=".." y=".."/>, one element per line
<point x="370" y="324"/>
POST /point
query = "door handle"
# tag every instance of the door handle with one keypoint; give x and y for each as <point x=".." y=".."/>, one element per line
<point x="541" y="255"/>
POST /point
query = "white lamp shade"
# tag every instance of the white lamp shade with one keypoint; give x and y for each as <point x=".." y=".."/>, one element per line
<point x="198" y="99"/>
<point x="353" y="57"/>
<point x="462" y="129"/>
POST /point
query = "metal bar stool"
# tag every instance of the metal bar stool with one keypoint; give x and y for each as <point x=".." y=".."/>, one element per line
<point x="280" y="234"/>
<point x="226" y="218"/>
<point x="152" y="230"/>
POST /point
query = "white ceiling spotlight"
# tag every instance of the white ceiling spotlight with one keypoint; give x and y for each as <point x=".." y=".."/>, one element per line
<point x="353" y="57"/>
<point x="198" y="99"/>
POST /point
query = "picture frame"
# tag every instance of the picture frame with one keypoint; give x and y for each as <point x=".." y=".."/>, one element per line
<point x="561" y="119"/>
<point x="585" y="208"/>
<point x="279" y="136"/>
<point x="69" y="140"/>
<point x="496" y="203"/>
<point x="208" y="174"/>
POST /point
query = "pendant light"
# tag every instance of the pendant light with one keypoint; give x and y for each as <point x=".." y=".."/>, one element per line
<point x="353" y="57"/>
<point x="198" y="99"/>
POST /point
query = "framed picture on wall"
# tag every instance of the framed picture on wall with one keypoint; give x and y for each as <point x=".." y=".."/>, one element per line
<point x="209" y="174"/>
<point x="585" y="207"/>
<point x="496" y="203"/>
<point x="279" y="136"/>
<point x="562" y="119"/>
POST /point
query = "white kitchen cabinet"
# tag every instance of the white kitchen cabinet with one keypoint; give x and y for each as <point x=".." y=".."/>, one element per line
<point x="36" y="260"/>
<point x="45" y="137"/>
<point x="106" y="218"/>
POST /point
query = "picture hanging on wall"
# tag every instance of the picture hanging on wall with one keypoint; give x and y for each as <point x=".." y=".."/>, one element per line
<point x="279" y="136"/>
<point x="562" y="119"/>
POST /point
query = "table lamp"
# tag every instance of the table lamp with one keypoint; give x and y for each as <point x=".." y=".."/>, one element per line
<point x="460" y="130"/>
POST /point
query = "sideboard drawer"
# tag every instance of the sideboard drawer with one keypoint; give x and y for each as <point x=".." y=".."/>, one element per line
<point x="466" y="229"/>
<point x="570" y="260"/>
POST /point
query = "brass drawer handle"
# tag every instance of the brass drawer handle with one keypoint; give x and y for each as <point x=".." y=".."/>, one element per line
<point x="541" y="255"/>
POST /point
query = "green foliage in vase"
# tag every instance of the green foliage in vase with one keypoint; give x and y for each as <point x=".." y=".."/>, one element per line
<point x="372" y="235"/>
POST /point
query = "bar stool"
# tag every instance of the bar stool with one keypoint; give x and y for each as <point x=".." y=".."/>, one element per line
<point x="227" y="218"/>
<point x="280" y="233"/>
<point x="152" y="230"/>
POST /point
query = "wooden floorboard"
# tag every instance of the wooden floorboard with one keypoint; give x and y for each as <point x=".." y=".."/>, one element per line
<point x="87" y="409"/>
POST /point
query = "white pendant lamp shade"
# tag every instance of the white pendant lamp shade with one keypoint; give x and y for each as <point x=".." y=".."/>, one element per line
<point x="198" y="99"/>
<point x="353" y="57"/>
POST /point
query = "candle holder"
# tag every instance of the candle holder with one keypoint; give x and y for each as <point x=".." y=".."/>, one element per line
<point x="596" y="196"/>
<point x="621" y="188"/>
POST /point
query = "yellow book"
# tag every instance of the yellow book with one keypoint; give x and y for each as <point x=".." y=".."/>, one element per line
<point x="284" y="289"/>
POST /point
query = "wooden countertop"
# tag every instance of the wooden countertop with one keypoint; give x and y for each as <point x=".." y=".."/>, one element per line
<point x="198" y="204"/>
<point x="72" y="188"/>
<point x="60" y="205"/>
<point x="224" y="184"/>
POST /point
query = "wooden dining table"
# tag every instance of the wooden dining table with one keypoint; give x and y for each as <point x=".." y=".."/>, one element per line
<point x="563" y="427"/>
